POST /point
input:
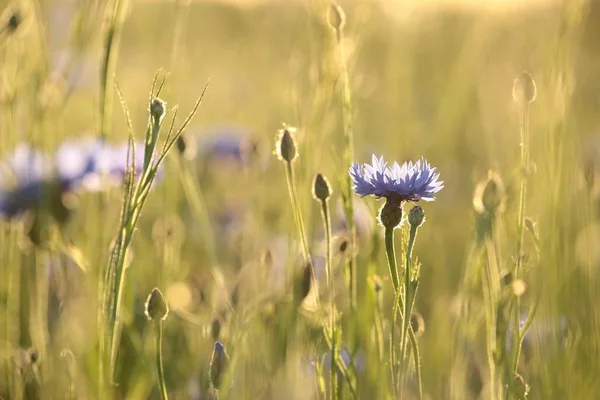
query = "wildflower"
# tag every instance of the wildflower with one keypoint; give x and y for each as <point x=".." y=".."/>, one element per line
<point x="228" y="144"/>
<point x="416" y="216"/>
<point x="409" y="182"/>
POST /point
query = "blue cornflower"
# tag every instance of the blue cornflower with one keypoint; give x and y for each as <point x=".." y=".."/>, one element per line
<point x="409" y="182"/>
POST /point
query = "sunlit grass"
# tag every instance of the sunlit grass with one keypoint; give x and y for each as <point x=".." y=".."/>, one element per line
<point x="269" y="294"/>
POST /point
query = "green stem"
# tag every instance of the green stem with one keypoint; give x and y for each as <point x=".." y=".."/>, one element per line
<point x="159" y="361"/>
<point x="415" y="349"/>
<point x="289" y="173"/>
<point x="391" y="257"/>
<point x="348" y="159"/>
<point x="524" y="130"/>
<point x="330" y="282"/>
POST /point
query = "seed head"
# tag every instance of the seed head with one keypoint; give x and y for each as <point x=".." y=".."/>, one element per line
<point x="157" y="109"/>
<point x="416" y="216"/>
<point x="321" y="188"/>
<point x="417" y="323"/>
<point x="285" y="147"/>
<point x="336" y="17"/>
<point x="156" y="306"/>
<point x="390" y="215"/>
<point x="524" y="89"/>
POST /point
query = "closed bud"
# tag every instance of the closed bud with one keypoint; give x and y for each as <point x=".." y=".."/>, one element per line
<point x="390" y="215"/>
<point x="519" y="388"/>
<point x="321" y="188"/>
<point x="490" y="195"/>
<point x="218" y="365"/>
<point x="336" y="17"/>
<point x="285" y="147"/>
<point x="524" y="89"/>
<point x="156" y="306"/>
<point x="157" y="109"/>
<point x="416" y="216"/>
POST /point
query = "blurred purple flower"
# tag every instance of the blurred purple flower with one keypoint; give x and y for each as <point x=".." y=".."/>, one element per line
<point x="411" y="181"/>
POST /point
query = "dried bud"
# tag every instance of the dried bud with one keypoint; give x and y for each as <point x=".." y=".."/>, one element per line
<point x="156" y="306"/>
<point x="303" y="283"/>
<point x="336" y="17"/>
<point x="416" y="216"/>
<point x="390" y="215"/>
<point x="321" y="188"/>
<point x="490" y="195"/>
<point x="417" y="323"/>
<point x="157" y="109"/>
<point x="524" y="89"/>
<point x="285" y="148"/>
<point x="218" y="365"/>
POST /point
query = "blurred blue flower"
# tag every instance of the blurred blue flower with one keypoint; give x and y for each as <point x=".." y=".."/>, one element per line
<point x="227" y="144"/>
<point x="29" y="178"/>
<point x="409" y="182"/>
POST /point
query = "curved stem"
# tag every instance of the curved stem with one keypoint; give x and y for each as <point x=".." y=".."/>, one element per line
<point x="289" y="173"/>
<point x="159" y="362"/>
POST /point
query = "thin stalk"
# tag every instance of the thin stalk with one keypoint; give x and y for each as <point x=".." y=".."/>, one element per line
<point x="408" y="295"/>
<point x="159" y="361"/>
<point x="524" y="130"/>
<point x="348" y="159"/>
<point x="289" y="174"/>
<point x="330" y="282"/>
<point x="417" y="357"/>
<point x="112" y="37"/>
<point x="491" y="290"/>
<point x="391" y="257"/>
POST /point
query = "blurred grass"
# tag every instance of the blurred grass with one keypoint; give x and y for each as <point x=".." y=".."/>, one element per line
<point x="436" y="84"/>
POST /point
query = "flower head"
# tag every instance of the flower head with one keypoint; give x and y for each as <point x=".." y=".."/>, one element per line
<point x="409" y="182"/>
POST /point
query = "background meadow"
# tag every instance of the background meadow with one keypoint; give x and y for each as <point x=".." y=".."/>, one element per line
<point x="217" y="233"/>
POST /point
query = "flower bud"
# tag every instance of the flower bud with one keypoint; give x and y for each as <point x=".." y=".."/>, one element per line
<point x="218" y="365"/>
<point x="321" y="188"/>
<point x="156" y="306"/>
<point x="285" y="148"/>
<point x="336" y="17"/>
<point x="490" y="195"/>
<point x="416" y="216"/>
<point x="157" y="109"/>
<point x="524" y="89"/>
<point x="390" y="215"/>
<point x="519" y="388"/>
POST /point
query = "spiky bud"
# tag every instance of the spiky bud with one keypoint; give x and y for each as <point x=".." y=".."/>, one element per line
<point x="321" y="188"/>
<point x="524" y="89"/>
<point x="416" y="216"/>
<point x="157" y="109"/>
<point x="285" y="147"/>
<point x="156" y="306"/>
<point x="218" y="365"/>
<point x="336" y="17"/>
<point x="390" y="215"/>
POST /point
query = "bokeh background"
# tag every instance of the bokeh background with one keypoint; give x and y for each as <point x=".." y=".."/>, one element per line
<point x="431" y="78"/>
